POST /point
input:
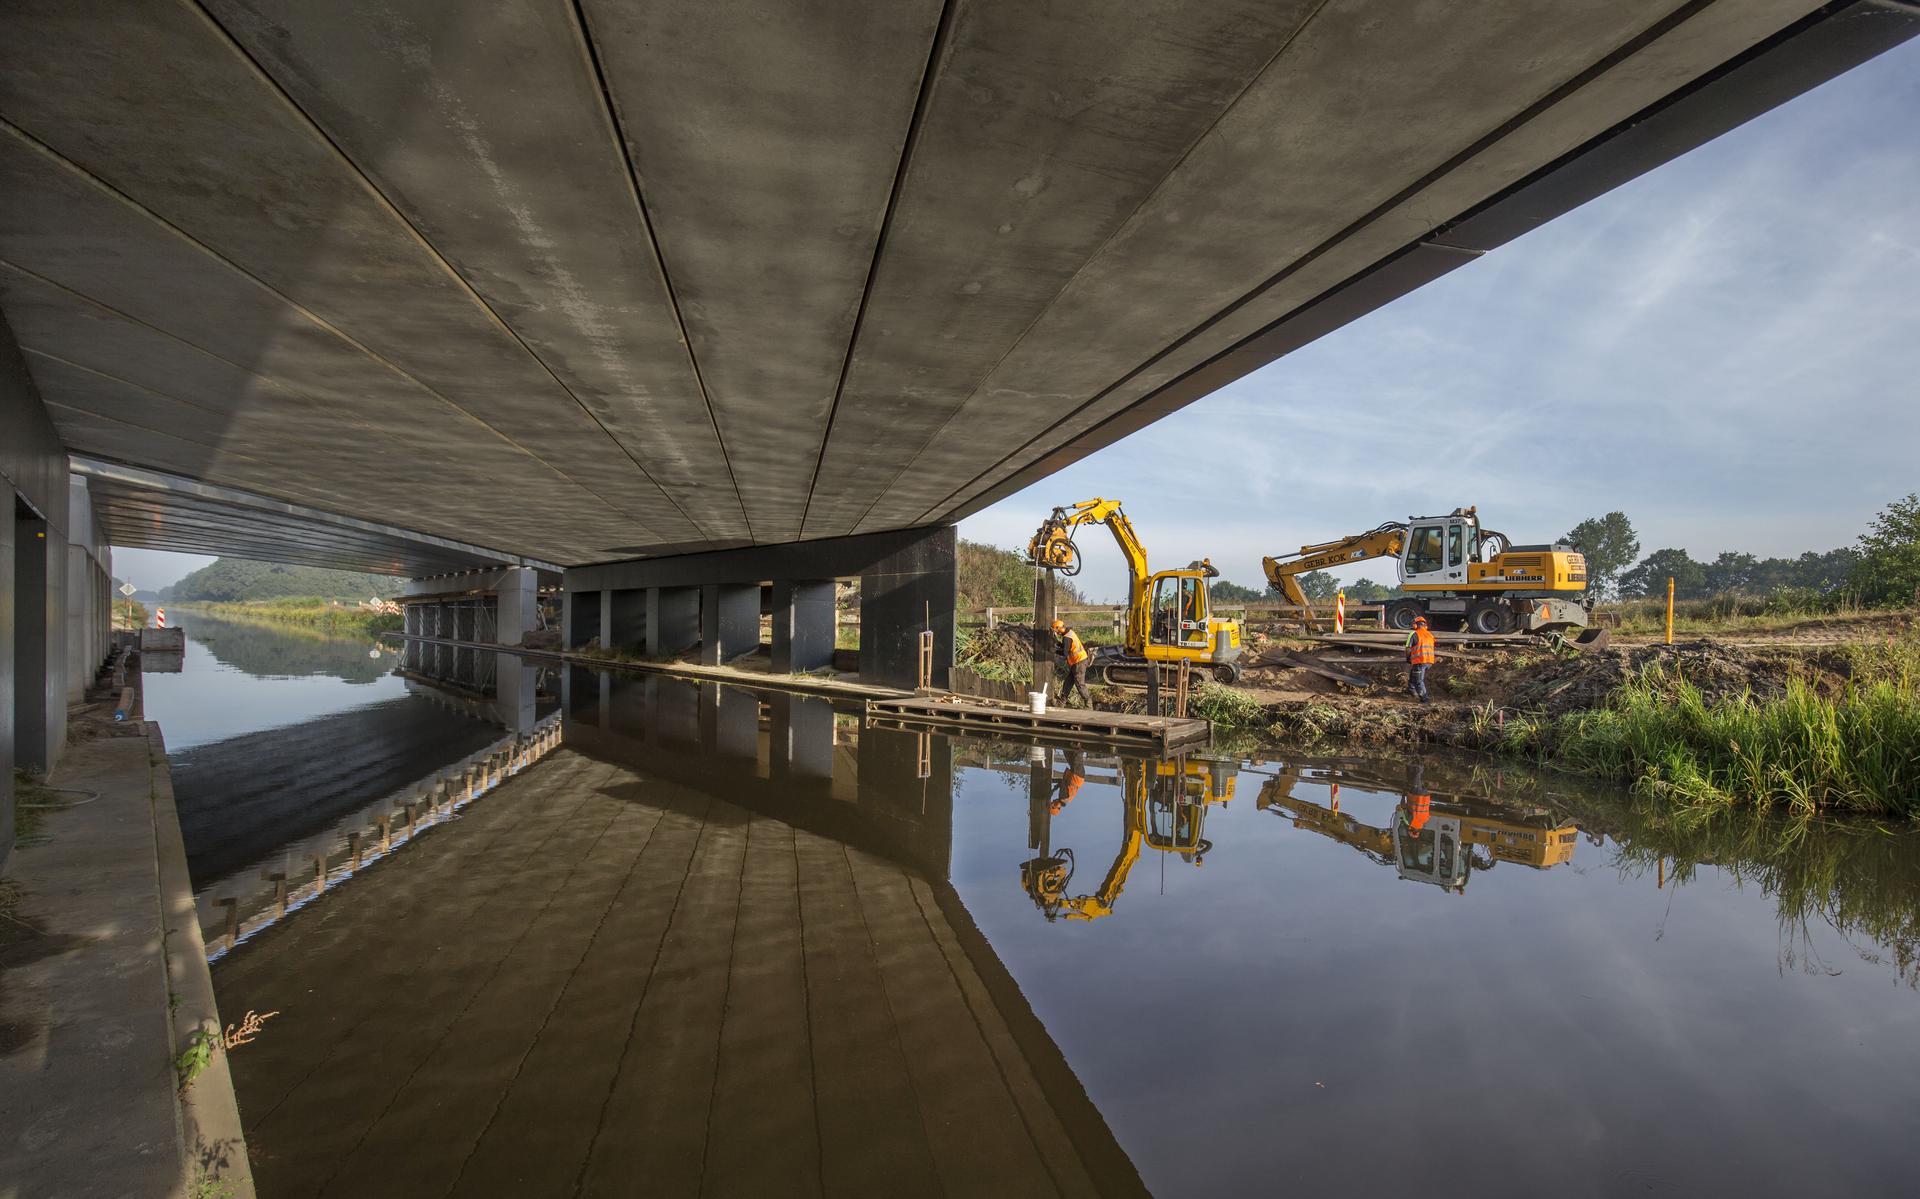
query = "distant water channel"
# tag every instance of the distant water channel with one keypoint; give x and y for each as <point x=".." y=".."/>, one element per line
<point x="745" y="941"/>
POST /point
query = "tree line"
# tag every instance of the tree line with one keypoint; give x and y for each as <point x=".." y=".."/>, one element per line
<point x="1881" y="568"/>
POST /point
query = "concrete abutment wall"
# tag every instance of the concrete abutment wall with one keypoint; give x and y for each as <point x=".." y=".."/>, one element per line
<point x="55" y="576"/>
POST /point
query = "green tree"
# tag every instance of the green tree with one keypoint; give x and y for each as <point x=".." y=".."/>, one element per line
<point x="1368" y="591"/>
<point x="1732" y="572"/>
<point x="1888" y="572"/>
<point x="1231" y="593"/>
<point x="1610" y="546"/>
<point x="988" y="576"/>
<point x="1318" y="585"/>
<point x="1648" y="580"/>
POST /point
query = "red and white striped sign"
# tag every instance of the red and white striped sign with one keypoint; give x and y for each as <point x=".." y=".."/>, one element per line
<point x="159" y="618"/>
<point x="1339" y="611"/>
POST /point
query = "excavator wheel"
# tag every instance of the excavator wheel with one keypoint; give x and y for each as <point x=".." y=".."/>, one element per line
<point x="1400" y="613"/>
<point x="1225" y="673"/>
<point x="1490" y="616"/>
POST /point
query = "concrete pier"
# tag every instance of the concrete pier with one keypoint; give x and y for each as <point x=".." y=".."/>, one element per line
<point x="906" y="581"/>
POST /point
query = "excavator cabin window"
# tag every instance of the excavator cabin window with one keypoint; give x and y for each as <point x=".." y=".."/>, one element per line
<point x="1179" y="612"/>
<point x="1424" y="550"/>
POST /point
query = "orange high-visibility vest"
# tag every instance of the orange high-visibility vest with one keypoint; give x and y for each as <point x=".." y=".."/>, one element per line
<point x="1076" y="652"/>
<point x="1420" y="648"/>
<point x="1418" y="809"/>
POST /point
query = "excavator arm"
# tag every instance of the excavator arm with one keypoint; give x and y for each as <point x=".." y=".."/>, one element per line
<point x="1283" y="572"/>
<point x="1052" y="545"/>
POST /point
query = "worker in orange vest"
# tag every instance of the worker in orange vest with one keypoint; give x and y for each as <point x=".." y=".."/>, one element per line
<point x="1419" y="657"/>
<point x="1069" y="783"/>
<point x="1073" y="653"/>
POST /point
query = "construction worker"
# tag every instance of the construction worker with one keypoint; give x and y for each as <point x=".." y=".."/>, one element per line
<point x="1419" y="657"/>
<point x="1073" y="655"/>
<point x="1069" y="783"/>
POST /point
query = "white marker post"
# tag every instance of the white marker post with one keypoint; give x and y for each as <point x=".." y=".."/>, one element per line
<point x="1339" y="612"/>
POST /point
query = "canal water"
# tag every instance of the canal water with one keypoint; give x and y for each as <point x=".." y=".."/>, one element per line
<point x="745" y="941"/>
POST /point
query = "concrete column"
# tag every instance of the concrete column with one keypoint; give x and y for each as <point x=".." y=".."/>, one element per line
<point x="729" y="621"/>
<point x="729" y="722"/>
<point x="604" y="638"/>
<point x="628" y="607"/>
<point x="39" y="643"/>
<point x="519" y="601"/>
<point x="514" y="692"/>
<point x="673" y="619"/>
<point x="899" y="595"/>
<point x="804" y="625"/>
<point x="582" y="619"/>
<point x="802" y="737"/>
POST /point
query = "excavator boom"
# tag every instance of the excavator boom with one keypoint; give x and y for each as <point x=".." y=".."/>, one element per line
<point x="1283" y="572"/>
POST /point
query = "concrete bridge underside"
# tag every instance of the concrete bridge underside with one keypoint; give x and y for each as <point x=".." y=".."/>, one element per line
<point x="582" y="282"/>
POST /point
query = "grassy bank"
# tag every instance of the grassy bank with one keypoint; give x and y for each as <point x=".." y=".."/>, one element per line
<point x="1848" y="746"/>
<point x="326" y="616"/>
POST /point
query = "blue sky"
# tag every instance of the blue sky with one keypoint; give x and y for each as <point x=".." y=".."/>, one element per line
<point x="1725" y="349"/>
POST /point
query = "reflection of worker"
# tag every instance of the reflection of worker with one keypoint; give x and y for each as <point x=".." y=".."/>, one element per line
<point x="1069" y="783"/>
<point x="1419" y="657"/>
<point x="1073" y="654"/>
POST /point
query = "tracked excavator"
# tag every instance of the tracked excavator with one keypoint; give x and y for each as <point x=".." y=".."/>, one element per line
<point x="1439" y="842"/>
<point x="1169" y="617"/>
<point x="1166" y="810"/>
<point x="1459" y="575"/>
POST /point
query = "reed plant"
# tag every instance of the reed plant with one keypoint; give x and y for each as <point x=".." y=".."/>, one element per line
<point x="1856" y="749"/>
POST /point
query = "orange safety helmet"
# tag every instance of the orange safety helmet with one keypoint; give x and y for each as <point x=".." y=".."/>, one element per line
<point x="1419" y="622"/>
<point x="1059" y="626"/>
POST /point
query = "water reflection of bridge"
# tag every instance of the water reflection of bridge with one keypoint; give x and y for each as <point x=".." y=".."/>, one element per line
<point x="709" y="946"/>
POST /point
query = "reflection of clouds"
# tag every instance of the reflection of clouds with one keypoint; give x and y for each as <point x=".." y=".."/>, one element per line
<point x="1660" y="350"/>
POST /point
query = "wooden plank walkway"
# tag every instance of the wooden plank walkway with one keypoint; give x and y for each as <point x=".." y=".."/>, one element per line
<point x="1157" y="734"/>
<point x="603" y="983"/>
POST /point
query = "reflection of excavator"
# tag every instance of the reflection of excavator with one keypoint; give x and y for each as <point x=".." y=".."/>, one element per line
<point x="1459" y="575"/>
<point x="1437" y="842"/>
<point x="1168" y="616"/>
<point x="1166" y="809"/>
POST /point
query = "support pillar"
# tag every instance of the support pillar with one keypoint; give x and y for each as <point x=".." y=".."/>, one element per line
<point x="802" y="736"/>
<point x="582" y="619"/>
<point x="605" y="638"/>
<point x="804" y="625"/>
<point x="628" y="610"/>
<point x="519" y="593"/>
<point x="673" y="619"/>
<point x="908" y="590"/>
<point x="729" y="722"/>
<point x="729" y="621"/>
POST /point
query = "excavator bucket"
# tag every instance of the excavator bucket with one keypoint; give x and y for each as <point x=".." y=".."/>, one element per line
<point x="1593" y="638"/>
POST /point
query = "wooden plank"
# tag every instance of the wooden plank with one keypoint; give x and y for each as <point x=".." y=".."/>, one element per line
<point x="1126" y="728"/>
<point x="1325" y="671"/>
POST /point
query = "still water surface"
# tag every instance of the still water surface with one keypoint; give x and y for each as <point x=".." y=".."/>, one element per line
<point x="1283" y="970"/>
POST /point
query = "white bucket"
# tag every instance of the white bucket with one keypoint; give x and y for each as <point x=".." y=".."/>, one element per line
<point x="1038" y="701"/>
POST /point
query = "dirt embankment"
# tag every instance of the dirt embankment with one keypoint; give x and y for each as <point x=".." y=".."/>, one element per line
<point x="1475" y="691"/>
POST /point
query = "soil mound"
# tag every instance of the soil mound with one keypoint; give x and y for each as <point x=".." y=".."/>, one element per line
<point x="1721" y="671"/>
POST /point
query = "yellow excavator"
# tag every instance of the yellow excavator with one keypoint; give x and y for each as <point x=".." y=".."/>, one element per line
<point x="1169" y="617"/>
<point x="1458" y="575"/>
<point x="1439" y="842"/>
<point x="1166" y="810"/>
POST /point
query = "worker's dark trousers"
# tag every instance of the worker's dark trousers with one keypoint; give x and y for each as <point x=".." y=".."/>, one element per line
<point x="1417" y="680"/>
<point x="1075" y="679"/>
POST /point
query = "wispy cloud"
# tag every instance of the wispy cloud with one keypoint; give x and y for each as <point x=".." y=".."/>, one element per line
<point x="1723" y="349"/>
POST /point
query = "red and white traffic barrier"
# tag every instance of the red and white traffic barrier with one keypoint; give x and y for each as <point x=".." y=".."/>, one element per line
<point x="1339" y="612"/>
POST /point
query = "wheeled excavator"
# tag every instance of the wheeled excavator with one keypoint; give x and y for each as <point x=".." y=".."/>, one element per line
<point x="1439" y="842"/>
<point x="1459" y="575"/>
<point x="1169" y="617"/>
<point x="1166" y="810"/>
